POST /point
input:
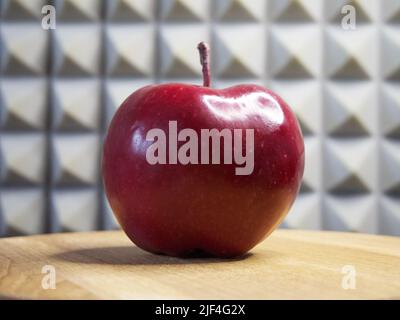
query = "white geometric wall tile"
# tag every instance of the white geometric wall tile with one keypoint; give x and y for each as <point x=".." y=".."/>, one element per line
<point x="116" y="91"/>
<point x="77" y="49"/>
<point x="295" y="11"/>
<point x="130" y="51"/>
<point x="366" y="10"/>
<point x="60" y="88"/>
<point x="389" y="216"/>
<point x="178" y="50"/>
<point x="23" y="159"/>
<point x="23" y="104"/>
<point x="110" y="222"/>
<point x="350" y="109"/>
<point x="306" y="213"/>
<point x="240" y="10"/>
<point x="76" y="105"/>
<point x="3" y="231"/>
<point x="130" y="10"/>
<point x="350" y="165"/>
<point x="390" y="167"/>
<point x="312" y="178"/>
<point x="78" y="10"/>
<point x="355" y="214"/>
<point x="305" y="99"/>
<point x="391" y="11"/>
<point x="390" y="56"/>
<point x="17" y="41"/>
<point x="22" y="9"/>
<point x="390" y="110"/>
<point x="295" y="51"/>
<point x="184" y="10"/>
<point x="2" y="52"/>
<point x="244" y="57"/>
<point x="75" y="159"/>
<point x="23" y="211"/>
<point x="226" y="83"/>
<point x="75" y="210"/>
<point x="350" y="55"/>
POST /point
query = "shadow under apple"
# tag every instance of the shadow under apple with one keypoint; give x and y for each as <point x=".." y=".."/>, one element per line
<point x="130" y="255"/>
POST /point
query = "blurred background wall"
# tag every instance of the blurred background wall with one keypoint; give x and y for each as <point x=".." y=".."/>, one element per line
<point x="59" y="89"/>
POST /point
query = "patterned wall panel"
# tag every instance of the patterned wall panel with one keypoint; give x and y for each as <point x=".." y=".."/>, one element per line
<point x="59" y="89"/>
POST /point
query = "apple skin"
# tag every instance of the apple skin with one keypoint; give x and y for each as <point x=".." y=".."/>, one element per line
<point x="180" y="210"/>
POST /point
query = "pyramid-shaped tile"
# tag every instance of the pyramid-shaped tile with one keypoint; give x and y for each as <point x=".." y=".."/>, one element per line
<point x="226" y="83"/>
<point x="365" y="10"/>
<point x="389" y="172"/>
<point x="23" y="211"/>
<point x="304" y="97"/>
<point x="23" y="104"/>
<point x="75" y="159"/>
<point x="350" y="109"/>
<point x="305" y="213"/>
<point x="130" y="10"/>
<point x="110" y="222"/>
<point x="351" y="55"/>
<point x="312" y="178"/>
<point x="389" y="216"/>
<point x="243" y="57"/>
<point x="184" y="10"/>
<point x="2" y="223"/>
<point x="354" y="214"/>
<point x="391" y="11"/>
<point x="3" y="51"/>
<point x="22" y="10"/>
<point x="305" y="188"/>
<point x="350" y="165"/>
<point x="130" y="50"/>
<point x="23" y="159"/>
<point x="117" y="91"/>
<point x="295" y="52"/>
<point x="77" y="50"/>
<point x="390" y="54"/>
<point x="295" y="11"/>
<point x="390" y="110"/>
<point x="76" y="105"/>
<point x="18" y="40"/>
<point x="78" y="10"/>
<point x="75" y="210"/>
<point x="240" y="10"/>
<point x="179" y="56"/>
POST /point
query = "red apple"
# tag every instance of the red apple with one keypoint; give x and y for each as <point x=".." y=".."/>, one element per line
<point x="179" y="208"/>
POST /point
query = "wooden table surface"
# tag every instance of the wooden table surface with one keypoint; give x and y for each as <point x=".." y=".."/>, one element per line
<point x="288" y="265"/>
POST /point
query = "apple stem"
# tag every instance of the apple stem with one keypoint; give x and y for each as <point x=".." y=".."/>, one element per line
<point x="204" y="51"/>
